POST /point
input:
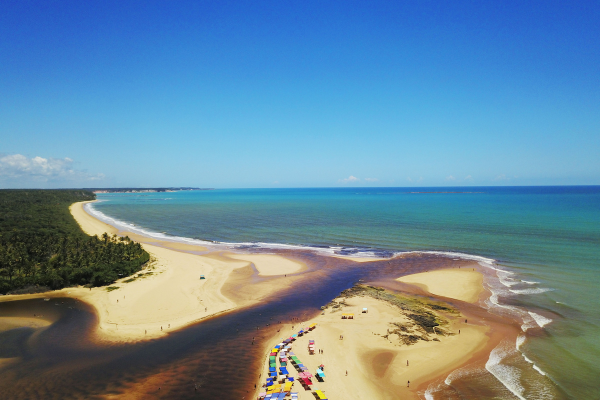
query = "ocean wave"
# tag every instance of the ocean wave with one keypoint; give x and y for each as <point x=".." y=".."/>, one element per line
<point x="531" y="291"/>
<point x="540" y="319"/>
<point x="538" y="369"/>
<point x="520" y="340"/>
<point x="533" y="365"/>
<point x="529" y="282"/>
<point x="508" y="282"/>
<point x="509" y="376"/>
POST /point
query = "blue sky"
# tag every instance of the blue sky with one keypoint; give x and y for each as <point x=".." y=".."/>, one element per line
<point x="297" y="94"/>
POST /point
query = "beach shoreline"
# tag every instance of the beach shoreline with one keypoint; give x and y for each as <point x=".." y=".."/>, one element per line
<point x="181" y="285"/>
<point x="376" y="363"/>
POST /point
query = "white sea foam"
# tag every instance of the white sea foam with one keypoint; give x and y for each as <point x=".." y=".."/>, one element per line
<point x="459" y="374"/>
<point x="428" y="394"/>
<point x="534" y="366"/>
<point x="529" y="282"/>
<point x="531" y="291"/>
<point x="507" y="281"/>
<point x="130" y="227"/>
<point x="509" y="376"/>
<point x="520" y="340"/>
<point x="540" y="319"/>
<point x="331" y="250"/>
<point x="538" y="369"/>
<point x="464" y="256"/>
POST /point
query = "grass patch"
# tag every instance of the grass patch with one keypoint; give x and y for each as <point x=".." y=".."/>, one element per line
<point x="424" y="315"/>
<point x="111" y="288"/>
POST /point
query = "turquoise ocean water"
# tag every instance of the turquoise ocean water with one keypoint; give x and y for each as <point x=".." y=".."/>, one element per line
<point x="547" y="239"/>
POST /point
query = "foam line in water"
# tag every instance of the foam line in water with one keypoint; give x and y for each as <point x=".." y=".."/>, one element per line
<point x="509" y="376"/>
<point x="531" y="291"/>
<point x="520" y="340"/>
<point x="328" y="250"/>
<point x="540" y="319"/>
<point x="538" y="369"/>
<point x="507" y="281"/>
<point x="90" y="209"/>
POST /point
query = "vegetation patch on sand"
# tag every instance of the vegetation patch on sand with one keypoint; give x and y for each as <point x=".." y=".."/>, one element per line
<point x="424" y="319"/>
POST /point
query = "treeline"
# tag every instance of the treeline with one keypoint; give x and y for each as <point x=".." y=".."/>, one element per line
<point x="42" y="245"/>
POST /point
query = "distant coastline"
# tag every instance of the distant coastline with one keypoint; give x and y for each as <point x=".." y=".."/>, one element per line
<point x="144" y="190"/>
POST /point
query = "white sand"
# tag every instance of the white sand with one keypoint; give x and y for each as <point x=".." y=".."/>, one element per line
<point x="461" y="284"/>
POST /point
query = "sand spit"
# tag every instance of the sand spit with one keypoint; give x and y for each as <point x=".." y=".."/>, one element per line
<point x="377" y="344"/>
<point x="168" y="294"/>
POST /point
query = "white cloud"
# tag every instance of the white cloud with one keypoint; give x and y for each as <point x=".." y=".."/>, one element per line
<point x="468" y="178"/>
<point x="349" y="179"/>
<point x="450" y="178"/>
<point x="501" y="177"/>
<point x="18" y="166"/>
<point x="371" y="179"/>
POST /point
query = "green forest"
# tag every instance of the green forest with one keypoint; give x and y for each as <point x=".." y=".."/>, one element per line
<point x="42" y="246"/>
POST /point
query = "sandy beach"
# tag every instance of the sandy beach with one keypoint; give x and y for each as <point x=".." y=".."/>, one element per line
<point x="168" y="293"/>
<point x="460" y="284"/>
<point x="375" y="360"/>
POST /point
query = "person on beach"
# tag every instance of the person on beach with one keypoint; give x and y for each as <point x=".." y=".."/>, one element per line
<point x="408" y="384"/>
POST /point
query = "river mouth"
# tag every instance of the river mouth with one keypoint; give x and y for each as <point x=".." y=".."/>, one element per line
<point x="213" y="358"/>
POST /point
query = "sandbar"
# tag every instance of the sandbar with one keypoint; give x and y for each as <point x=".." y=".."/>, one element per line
<point x="376" y="366"/>
<point x="461" y="284"/>
<point x="270" y="264"/>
